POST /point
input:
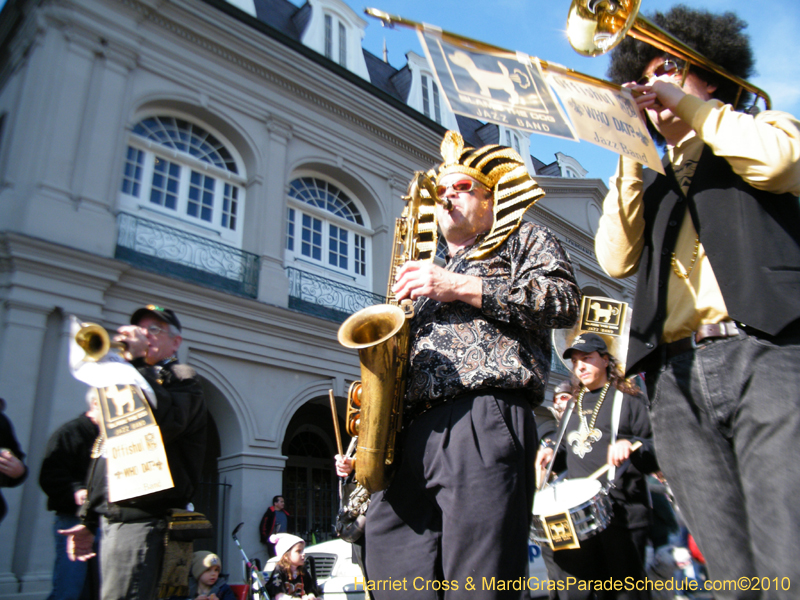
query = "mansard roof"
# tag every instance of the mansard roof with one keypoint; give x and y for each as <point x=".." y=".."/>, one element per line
<point x="286" y="22"/>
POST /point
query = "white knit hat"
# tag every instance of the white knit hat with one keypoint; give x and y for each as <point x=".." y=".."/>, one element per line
<point x="284" y="542"/>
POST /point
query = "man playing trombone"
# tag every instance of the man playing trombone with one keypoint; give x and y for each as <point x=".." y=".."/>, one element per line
<point x="715" y="244"/>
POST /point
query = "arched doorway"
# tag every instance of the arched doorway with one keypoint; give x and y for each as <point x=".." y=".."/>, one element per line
<point x="309" y="480"/>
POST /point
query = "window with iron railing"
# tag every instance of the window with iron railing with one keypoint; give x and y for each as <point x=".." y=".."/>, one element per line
<point x="326" y="232"/>
<point x="169" y="251"/>
<point x="181" y="169"/>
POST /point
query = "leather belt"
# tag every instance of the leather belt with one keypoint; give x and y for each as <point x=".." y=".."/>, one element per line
<point x="711" y="331"/>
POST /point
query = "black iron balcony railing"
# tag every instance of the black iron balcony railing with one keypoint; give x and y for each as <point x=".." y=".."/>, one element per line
<point x="326" y="298"/>
<point x="155" y="247"/>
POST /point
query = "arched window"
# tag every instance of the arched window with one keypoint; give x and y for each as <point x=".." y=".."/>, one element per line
<point x="325" y="228"/>
<point x="175" y="167"/>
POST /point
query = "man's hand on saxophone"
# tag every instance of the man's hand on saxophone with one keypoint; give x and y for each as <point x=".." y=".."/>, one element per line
<point x="416" y="279"/>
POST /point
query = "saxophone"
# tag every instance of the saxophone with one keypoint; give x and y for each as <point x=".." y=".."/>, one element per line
<point x="380" y="333"/>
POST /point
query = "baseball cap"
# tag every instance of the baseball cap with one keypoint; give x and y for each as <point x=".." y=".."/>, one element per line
<point x="586" y="342"/>
<point x="163" y="314"/>
<point x="565" y="387"/>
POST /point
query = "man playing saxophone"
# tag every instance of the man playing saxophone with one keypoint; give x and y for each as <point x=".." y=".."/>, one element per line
<point x="459" y="506"/>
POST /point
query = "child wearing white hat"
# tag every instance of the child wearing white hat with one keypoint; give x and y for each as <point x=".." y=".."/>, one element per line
<point x="291" y="578"/>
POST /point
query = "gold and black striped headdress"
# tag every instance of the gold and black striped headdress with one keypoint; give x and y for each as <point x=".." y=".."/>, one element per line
<point x="502" y="170"/>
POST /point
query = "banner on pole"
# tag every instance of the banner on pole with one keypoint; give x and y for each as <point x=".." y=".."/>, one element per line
<point x="497" y="87"/>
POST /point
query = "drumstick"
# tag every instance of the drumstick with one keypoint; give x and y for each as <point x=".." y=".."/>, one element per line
<point x="336" y="424"/>
<point x="634" y="447"/>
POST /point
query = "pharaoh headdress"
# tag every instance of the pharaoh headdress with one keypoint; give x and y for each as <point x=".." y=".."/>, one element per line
<point x="502" y="170"/>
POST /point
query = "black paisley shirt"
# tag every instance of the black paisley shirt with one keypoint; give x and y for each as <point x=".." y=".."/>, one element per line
<point x="528" y="289"/>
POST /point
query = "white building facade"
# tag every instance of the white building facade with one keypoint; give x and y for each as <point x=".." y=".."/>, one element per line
<point x="242" y="164"/>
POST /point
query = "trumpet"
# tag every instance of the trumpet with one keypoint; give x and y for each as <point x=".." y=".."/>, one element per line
<point x="94" y="340"/>
<point x="596" y="26"/>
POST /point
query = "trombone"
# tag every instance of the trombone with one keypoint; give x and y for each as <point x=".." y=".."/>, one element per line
<point x="596" y="26"/>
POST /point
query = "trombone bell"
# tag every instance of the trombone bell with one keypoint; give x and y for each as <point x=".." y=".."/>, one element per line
<point x="596" y="26"/>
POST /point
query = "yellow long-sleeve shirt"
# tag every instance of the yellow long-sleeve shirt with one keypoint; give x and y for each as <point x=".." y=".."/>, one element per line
<point x="764" y="150"/>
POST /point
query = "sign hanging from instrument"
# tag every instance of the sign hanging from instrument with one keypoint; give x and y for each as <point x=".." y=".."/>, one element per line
<point x="499" y="87"/>
<point x="495" y="85"/>
<point x="568" y="512"/>
<point x="608" y="118"/>
<point x="609" y="318"/>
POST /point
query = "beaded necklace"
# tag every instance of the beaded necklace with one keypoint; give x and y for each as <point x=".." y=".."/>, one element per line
<point x="678" y="269"/>
<point x="582" y="440"/>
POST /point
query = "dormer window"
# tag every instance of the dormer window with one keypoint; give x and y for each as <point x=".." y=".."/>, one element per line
<point x="334" y="30"/>
<point x="512" y="141"/>
<point x="430" y="99"/>
<point x="335" y="40"/>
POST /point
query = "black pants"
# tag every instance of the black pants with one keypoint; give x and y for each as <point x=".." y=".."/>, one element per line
<point x="616" y="554"/>
<point x="455" y="520"/>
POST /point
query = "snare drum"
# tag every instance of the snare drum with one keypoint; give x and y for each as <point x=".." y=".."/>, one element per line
<point x="570" y="511"/>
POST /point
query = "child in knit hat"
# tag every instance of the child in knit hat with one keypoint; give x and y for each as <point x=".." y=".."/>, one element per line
<point x="290" y="578"/>
<point x="204" y="578"/>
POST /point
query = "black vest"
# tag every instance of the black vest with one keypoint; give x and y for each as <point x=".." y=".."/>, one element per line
<point x="751" y="237"/>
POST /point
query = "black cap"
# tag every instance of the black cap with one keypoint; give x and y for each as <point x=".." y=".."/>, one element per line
<point x="586" y="342"/>
<point x="565" y="387"/>
<point x="163" y="314"/>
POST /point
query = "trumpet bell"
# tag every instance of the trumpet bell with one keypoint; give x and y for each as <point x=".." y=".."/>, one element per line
<point x="93" y="340"/>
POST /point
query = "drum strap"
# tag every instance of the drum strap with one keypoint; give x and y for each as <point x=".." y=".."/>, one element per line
<point x="615" y="416"/>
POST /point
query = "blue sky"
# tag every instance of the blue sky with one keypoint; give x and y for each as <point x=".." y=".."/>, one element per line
<point x="537" y="28"/>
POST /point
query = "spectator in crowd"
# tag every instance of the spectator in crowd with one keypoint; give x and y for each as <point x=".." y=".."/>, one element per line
<point x="205" y="581"/>
<point x="291" y="578"/>
<point x="275" y="520"/>
<point x="62" y="477"/>
<point x="12" y="468"/>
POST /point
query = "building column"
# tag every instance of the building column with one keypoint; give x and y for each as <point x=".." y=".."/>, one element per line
<point x="254" y="480"/>
<point x="273" y="282"/>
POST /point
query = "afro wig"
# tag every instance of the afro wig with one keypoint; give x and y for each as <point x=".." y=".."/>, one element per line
<point x="718" y="37"/>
